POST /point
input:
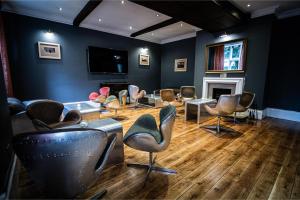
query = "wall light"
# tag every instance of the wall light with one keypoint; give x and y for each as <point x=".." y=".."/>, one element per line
<point x="144" y="50"/>
<point x="49" y="34"/>
<point x="225" y="35"/>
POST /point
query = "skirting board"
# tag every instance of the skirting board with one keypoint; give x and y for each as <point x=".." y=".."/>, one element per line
<point x="282" y="114"/>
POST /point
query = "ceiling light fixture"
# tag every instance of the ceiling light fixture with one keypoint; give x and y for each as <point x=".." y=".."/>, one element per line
<point x="122" y="2"/>
<point x="248" y="5"/>
<point x="100" y="20"/>
<point x="130" y="27"/>
<point x="157" y="15"/>
<point x="60" y="9"/>
<point x="224" y="35"/>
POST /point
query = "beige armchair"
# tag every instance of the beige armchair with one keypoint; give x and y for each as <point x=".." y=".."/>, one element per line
<point x="226" y="106"/>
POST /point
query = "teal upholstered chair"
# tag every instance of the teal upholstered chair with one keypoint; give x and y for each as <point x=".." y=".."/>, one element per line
<point x="144" y="135"/>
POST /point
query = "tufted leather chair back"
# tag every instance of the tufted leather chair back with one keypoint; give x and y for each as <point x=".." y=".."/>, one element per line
<point x="64" y="162"/>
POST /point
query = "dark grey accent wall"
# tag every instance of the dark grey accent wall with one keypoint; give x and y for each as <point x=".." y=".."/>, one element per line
<point x="68" y="79"/>
<point x="258" y="33"/>
<point x="282" y="88"/>
<point x="170" y="52"/>
<point x="6" y="153"/>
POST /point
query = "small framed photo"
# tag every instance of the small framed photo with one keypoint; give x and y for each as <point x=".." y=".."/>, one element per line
<point x="49" y="50"/>
<point x="181" y="65"/>
<point x="144" y="60"/>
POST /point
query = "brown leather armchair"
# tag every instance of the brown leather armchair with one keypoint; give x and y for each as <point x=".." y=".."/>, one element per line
<point x="226" y="106"/>
<point x="48" y="113"/>
<point x="245" y="102"/>
<point x="64" y="162"/>
<point x="187" y="93"/>
<point x="168" y="97"/>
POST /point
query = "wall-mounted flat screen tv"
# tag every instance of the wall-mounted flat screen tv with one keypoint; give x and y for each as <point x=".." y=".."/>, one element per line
<point x="109" y="61"/>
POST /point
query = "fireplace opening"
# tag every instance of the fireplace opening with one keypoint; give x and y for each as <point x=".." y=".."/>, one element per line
<point x="217" y="92"/>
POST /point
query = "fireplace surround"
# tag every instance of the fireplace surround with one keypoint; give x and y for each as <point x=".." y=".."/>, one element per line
<point x="236" y="85"/>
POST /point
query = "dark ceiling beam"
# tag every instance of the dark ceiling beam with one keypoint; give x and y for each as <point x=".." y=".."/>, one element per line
<point x="210" y="15"/>
<point x="232" y="10"/>
<point x="86" y="10"/>
<point x="155" y="27"/>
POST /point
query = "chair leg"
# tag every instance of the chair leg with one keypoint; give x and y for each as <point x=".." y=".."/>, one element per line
<point x="218" y="128"/>
<point x="151" y="167"/>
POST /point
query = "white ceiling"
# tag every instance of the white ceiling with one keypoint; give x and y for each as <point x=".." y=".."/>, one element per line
<point x="116" y="17"/>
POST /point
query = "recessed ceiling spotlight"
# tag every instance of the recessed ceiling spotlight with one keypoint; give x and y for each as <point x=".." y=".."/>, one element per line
<point x="122" y="2"/>
<point x="248" y="5"/>
<point x="181" y="25"/>
<point x="130" y="27"/>
<point x="60" y="9"/>
<point x="152" y="34"/>
<point x="157" y="15"/>
<point x="100" y="20"/>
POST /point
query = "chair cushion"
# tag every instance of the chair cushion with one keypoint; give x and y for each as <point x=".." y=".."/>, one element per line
<point x="145" y="124"/>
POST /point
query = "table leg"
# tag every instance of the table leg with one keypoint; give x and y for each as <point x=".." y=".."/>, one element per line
<point x="198" y="114"/>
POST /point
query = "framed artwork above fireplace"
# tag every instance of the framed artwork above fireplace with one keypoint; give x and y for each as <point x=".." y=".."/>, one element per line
<point x="226" y="57"/>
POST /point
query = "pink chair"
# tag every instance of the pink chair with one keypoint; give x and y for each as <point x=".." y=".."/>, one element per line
<point x="104" y="91"/>
<point x="93" y="96"/>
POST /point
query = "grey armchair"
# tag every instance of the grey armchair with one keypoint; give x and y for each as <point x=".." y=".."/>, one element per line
<point x="144" y="135"/>
<point x="123" y="97"/>
<point x="226" y="106"/>
<point x="135" y="94"/>
<point x="64" y="162"/>
<point x="48" y="113"/>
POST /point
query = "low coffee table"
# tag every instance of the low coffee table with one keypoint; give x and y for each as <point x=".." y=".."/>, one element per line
<point x="110" y="126"/>
<point x="197" y="104"/>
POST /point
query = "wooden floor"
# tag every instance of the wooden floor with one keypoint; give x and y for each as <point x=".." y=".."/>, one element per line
<point x="262" y="163"/>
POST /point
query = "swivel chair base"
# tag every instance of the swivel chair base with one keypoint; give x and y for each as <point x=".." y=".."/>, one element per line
<point x="151" y="167"/>
<point x="219" y="130"/>
<point x="99" y="195"/>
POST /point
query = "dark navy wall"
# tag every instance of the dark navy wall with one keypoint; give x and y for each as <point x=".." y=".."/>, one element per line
<point x="258" y="33"/>
<point x="68" y="79"/>
<point x="282" y="88"/>
<point x="170" y="52"/>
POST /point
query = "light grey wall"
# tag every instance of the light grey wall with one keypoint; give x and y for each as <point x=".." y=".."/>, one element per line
<point x="258" y="34"/>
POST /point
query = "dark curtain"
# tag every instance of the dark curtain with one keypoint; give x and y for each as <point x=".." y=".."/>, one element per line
<point x="4" y="60"/>
<point x="219" y="57"/>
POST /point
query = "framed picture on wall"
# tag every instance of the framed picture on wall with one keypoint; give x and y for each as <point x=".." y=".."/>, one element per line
<point x="49" y="50"/>
<point x="144" y="60"/>
<point x="180" y="65"/>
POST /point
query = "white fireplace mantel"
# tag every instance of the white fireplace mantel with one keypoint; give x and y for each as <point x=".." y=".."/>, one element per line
<point x="238" y="82"/>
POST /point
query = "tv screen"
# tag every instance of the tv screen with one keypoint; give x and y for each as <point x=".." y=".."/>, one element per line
<point x="102" y="60"/>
